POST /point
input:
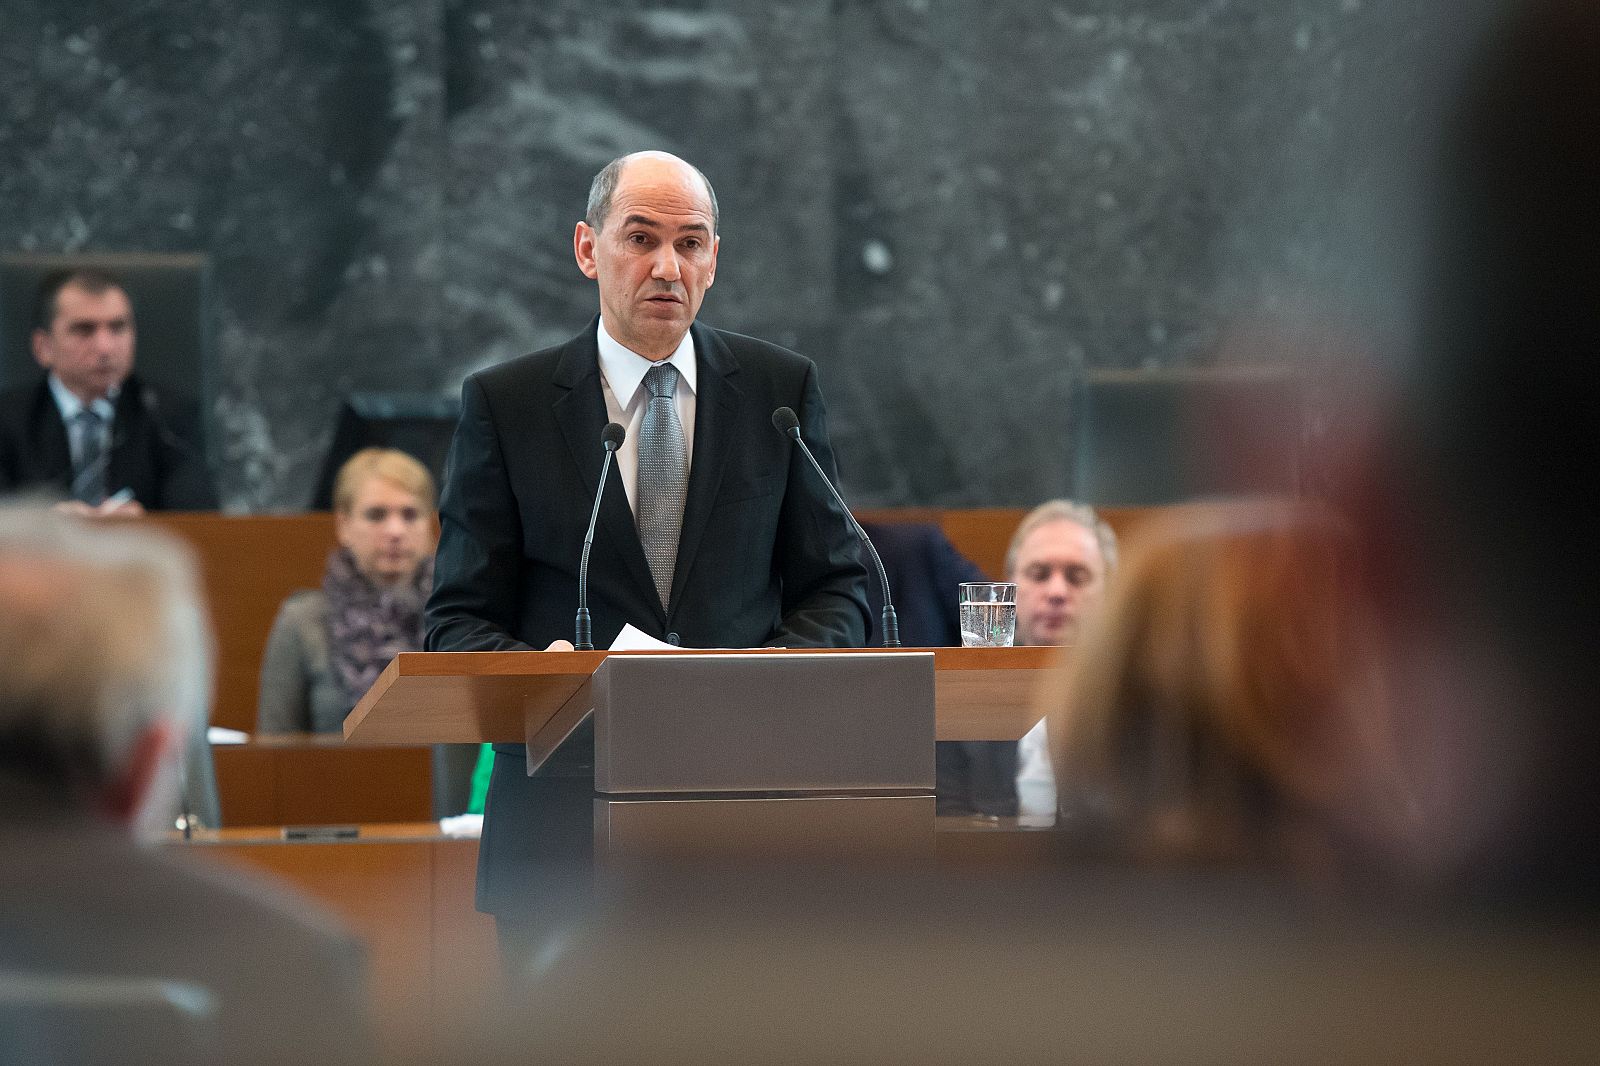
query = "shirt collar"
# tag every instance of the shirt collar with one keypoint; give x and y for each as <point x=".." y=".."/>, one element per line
<point x="69" y="405"/>
<point x="625" y="369"/>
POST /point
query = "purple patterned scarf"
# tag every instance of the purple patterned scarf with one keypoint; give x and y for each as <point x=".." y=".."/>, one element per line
<point x="368" y="625"/>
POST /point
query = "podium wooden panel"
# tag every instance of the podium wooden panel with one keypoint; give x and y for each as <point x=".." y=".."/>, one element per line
<point x="503" y="696"/>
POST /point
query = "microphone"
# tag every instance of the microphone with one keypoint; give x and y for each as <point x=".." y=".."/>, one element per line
<point x="785" y="422"/>
<point x="611" y="439"/>
<point x="164" y="433"/>
<point x="185" y="470"/>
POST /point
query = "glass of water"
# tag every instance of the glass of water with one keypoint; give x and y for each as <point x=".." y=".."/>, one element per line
<point x="988" y="614"/>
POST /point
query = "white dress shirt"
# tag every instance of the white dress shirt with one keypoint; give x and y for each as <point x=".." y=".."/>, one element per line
<point x="1036" y="781"/>
<point x="622" y="372"/>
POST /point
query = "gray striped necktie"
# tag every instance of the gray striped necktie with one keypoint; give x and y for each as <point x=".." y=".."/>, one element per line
<point x="89" y="477"/>
<point x="663" y="477"/>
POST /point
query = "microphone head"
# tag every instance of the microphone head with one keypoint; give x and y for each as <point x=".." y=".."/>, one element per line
<point x="785" y="422"/>
<point x="612" y="436"/>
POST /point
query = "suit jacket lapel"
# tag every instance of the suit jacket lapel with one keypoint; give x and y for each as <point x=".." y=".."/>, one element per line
<point x="122" y="464"/>
<point x="581" y="413"/>
<point x="716" y="401"/>
<point x="50" y="437"/>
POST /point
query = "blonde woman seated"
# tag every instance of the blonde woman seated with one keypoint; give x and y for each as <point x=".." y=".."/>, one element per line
<point x="1227" y="702"/>
<point x="328" y="645"/>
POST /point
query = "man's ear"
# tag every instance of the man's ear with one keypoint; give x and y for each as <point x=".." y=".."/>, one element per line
<point x="152" y="751"/>
<point x="583" y="239"/>
<point x="42" y="353"/>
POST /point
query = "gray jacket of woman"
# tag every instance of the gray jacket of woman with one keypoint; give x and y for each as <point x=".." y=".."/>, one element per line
<point x="299" y="693"/>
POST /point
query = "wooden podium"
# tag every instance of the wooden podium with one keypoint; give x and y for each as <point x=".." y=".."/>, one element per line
<point x="513" y="697"/>
<point x="784" y="795"/>
<point x="771" y="792"/>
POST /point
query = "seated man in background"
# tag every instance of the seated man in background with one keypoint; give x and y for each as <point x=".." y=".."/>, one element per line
<point x="329" y="645"/>
<point x="1060" y="557"/>
<point x="88" y="427"/>
<point x="108" y="664"/>
<point x="925" y="570"/>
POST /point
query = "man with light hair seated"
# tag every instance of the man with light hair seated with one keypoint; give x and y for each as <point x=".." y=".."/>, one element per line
<point x="1061" y="556"/>
<point x="107" y="671"/>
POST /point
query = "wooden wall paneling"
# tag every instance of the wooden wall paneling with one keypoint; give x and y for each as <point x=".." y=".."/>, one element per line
<point x="983" y="534"/>
<point x="250" y="563"/>
<point x="335" y="785"/>
<point x="247" y="784"/>
<point x="314" y="780"/>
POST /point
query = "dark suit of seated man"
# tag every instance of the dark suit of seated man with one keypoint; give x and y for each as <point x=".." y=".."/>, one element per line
<point x="89" y="428"/>
<point x="712" y="530"/>
<point x="107" y="668"/>
<point x="925" y="570"/>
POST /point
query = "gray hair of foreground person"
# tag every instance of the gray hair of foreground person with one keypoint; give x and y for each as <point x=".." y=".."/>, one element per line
<point x="108" y="653"/>
<point x="1064" y="511"/>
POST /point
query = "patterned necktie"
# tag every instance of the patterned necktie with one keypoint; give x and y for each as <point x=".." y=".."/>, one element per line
<point x="89" y="479"/>
<point x="663" y="477"/>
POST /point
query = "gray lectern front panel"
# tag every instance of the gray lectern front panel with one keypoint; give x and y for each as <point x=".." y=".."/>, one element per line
<point x="764" y="723"/>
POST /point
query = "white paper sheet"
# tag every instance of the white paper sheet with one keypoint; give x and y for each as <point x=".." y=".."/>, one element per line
<point x="634" y="639"/>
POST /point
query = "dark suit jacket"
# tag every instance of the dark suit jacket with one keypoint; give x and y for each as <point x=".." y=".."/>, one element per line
<point x="973" y="776"/>
<point x="79" y="898"/>
<point x="764" y="557"/>
<point x="154" y="447"/>
<point x="924" y="569"/>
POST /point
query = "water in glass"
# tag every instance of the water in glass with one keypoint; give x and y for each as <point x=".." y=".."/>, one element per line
<point x="988" y="625"/>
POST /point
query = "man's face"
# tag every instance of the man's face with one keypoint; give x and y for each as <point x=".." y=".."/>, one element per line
<point x="89" y="345"/>
<point x="1060" y="577"/>
<point x="655" y="256"/>
<point x="388" y="531"/>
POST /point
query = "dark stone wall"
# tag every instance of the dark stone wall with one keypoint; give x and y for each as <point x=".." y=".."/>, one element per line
<point x="955" y="207"/>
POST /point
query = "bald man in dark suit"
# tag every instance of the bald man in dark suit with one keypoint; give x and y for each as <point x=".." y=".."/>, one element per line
<point x="711" y="534"/>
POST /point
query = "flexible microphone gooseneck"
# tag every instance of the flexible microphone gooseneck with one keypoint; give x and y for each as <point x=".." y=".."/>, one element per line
<point x="611" y="439"/>
<point x="785" y="421"/>
<point x="164" y="433"/>
<point x="183" y="450"/>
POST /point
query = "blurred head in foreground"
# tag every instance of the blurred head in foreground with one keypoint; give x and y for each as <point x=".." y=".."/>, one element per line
<point x="1473" y="499"/>
<point x="1227" y="702"/>
<point x="108" y="662"/>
